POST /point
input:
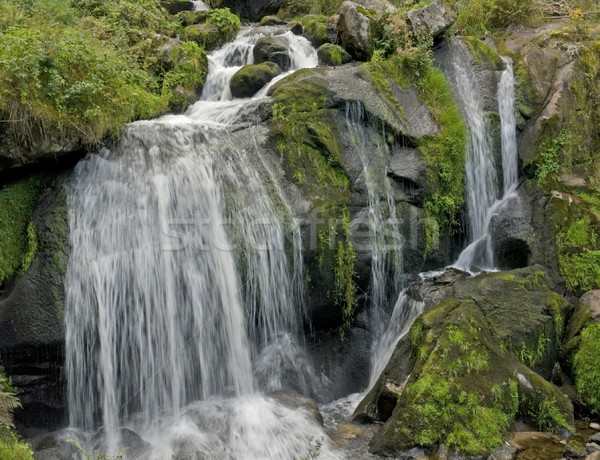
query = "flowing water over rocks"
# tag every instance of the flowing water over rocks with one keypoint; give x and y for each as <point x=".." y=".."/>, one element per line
<point x="180" y="287"/>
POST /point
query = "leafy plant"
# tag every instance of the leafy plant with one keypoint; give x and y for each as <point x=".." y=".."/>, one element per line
<point x="585" y="363"/>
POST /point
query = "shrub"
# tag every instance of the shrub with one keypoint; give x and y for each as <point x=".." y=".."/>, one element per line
<point x="482" y="17"/>
<point x="587" y="372"/>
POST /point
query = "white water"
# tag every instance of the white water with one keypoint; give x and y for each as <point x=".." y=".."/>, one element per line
<point x="385" y="239"/>
<point x="179" y="288"/>
<point x="483" y="195"/>
<point x="199" y="5"/>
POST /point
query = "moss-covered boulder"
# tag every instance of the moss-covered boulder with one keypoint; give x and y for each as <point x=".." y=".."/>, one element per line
<point x="465" y="371"/>
<point x="435" y="18"/>
<point x="354" y="27"/>
<point x="252" y="77"/>
<point x="177" y="6"/>
<point x="273" y="49"/>
<point x="333" y="55"/>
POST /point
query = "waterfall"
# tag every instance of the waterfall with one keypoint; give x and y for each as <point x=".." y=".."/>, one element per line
<point x="179" y="284"/>
<point x="385" y="238"/>
<point x="483" y="195"/>
<point x="508" y="126"/>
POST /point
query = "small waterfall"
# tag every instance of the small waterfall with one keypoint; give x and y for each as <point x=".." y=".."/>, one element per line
<point x="179" y="284"/>
<point x="406" y="310"/>
<point x="483" y="195"/>
<point x="385" y="237"/>
<point x="508" y="126"/>
<point x="199" y="5"/>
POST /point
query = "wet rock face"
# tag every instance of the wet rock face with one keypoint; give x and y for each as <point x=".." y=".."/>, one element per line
<point x="435" y="18"/>
<point x="32" y="318"/>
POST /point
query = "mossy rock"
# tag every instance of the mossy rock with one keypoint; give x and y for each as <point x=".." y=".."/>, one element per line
<point x="177" y="6"/>
<point x="252" y="77"/>
<point x="189" y="18"/>
<point x="316" y="29"/>
<point x="460" y="381"/>
<point x="272" y="49"/>
<point x="272" y="21"/>
<point x="333" y="55"/>
<point x="206" y="35"/>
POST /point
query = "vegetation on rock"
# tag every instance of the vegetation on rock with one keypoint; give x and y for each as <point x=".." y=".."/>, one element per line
<point x="18" y="239"/>
<point x="11" y="448"/>
<point x="585" y="363"/>
<point x="83" y="69"/>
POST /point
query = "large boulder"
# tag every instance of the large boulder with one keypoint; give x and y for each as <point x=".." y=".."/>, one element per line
<point x="333" y="55"/>
<point x="272" y="49"/>
<point x="252" y="77"/>
<point x="435" y="18"/>
<point x="467" y="368"/>
<point x="354" y="27"/>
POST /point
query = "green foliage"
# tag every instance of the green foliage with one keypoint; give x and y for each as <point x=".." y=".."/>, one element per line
<point x="549" y="417"/>
<point x="483" y="17"/>
<point x="550" y="156"/>
<point x="83" y="70"/>
<point x="189" y="72"/>
<point x="228" y="23"/>
<point x="531" y="356"/>
<point x="344" y="274"/>
<point x="579" y="255"/>
<point x="587" y="372"/>
<point x="18" y="241"/>
<point x="11" y="448"/>
<point x="313" y="451"/>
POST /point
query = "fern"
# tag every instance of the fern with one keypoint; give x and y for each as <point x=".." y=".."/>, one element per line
<point x="8" y="402"/>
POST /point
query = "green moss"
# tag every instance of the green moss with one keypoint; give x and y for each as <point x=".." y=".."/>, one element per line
<point x="482" y="53"/>
<point x="344" y="275"/>
<point x="456" y="398"/>
<point x="181" y="83"/>
<point x="18" y="241"/>
<point x="587" y="372"/>
<point x="315" y="28"/>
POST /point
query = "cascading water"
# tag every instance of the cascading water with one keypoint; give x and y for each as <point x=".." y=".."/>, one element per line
<point x="483" y="194"/>
<point x="179" y="288"/>
<point x="385" y="237"/>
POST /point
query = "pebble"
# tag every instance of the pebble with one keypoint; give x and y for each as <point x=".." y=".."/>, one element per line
<point x="595" y="438"/>
<point x="595" y="426"/>
<point x="592" y="447"/>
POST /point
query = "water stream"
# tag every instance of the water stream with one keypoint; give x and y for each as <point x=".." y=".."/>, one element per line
<point x="183" y="307"/>
<point x="185" y="281"/>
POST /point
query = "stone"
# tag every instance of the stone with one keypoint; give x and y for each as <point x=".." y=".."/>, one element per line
<point x="376" y="5"/>
<point x="407" y="167"/>
<point x="295" y="400"/>
<point x="592" y="447"/>
<point x="333" y="55"/>
<point x="206" y="35"/>
<point x="252" y="77"/>
<point x="595" y="438"/>
<point x="296" y="28"/>
<point x="512" y="231"/>
<point x="177" y="6"/>
<point x="252" y="10"/>
<point x="435" y="18"/>
<point x="272" y="49"/>
<point x="575" y="450"/>
<point x="593" y="456"/>
<point x="593" y="425"/>
<point x="272" y="21"/>
<point x="355" y="31"/>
